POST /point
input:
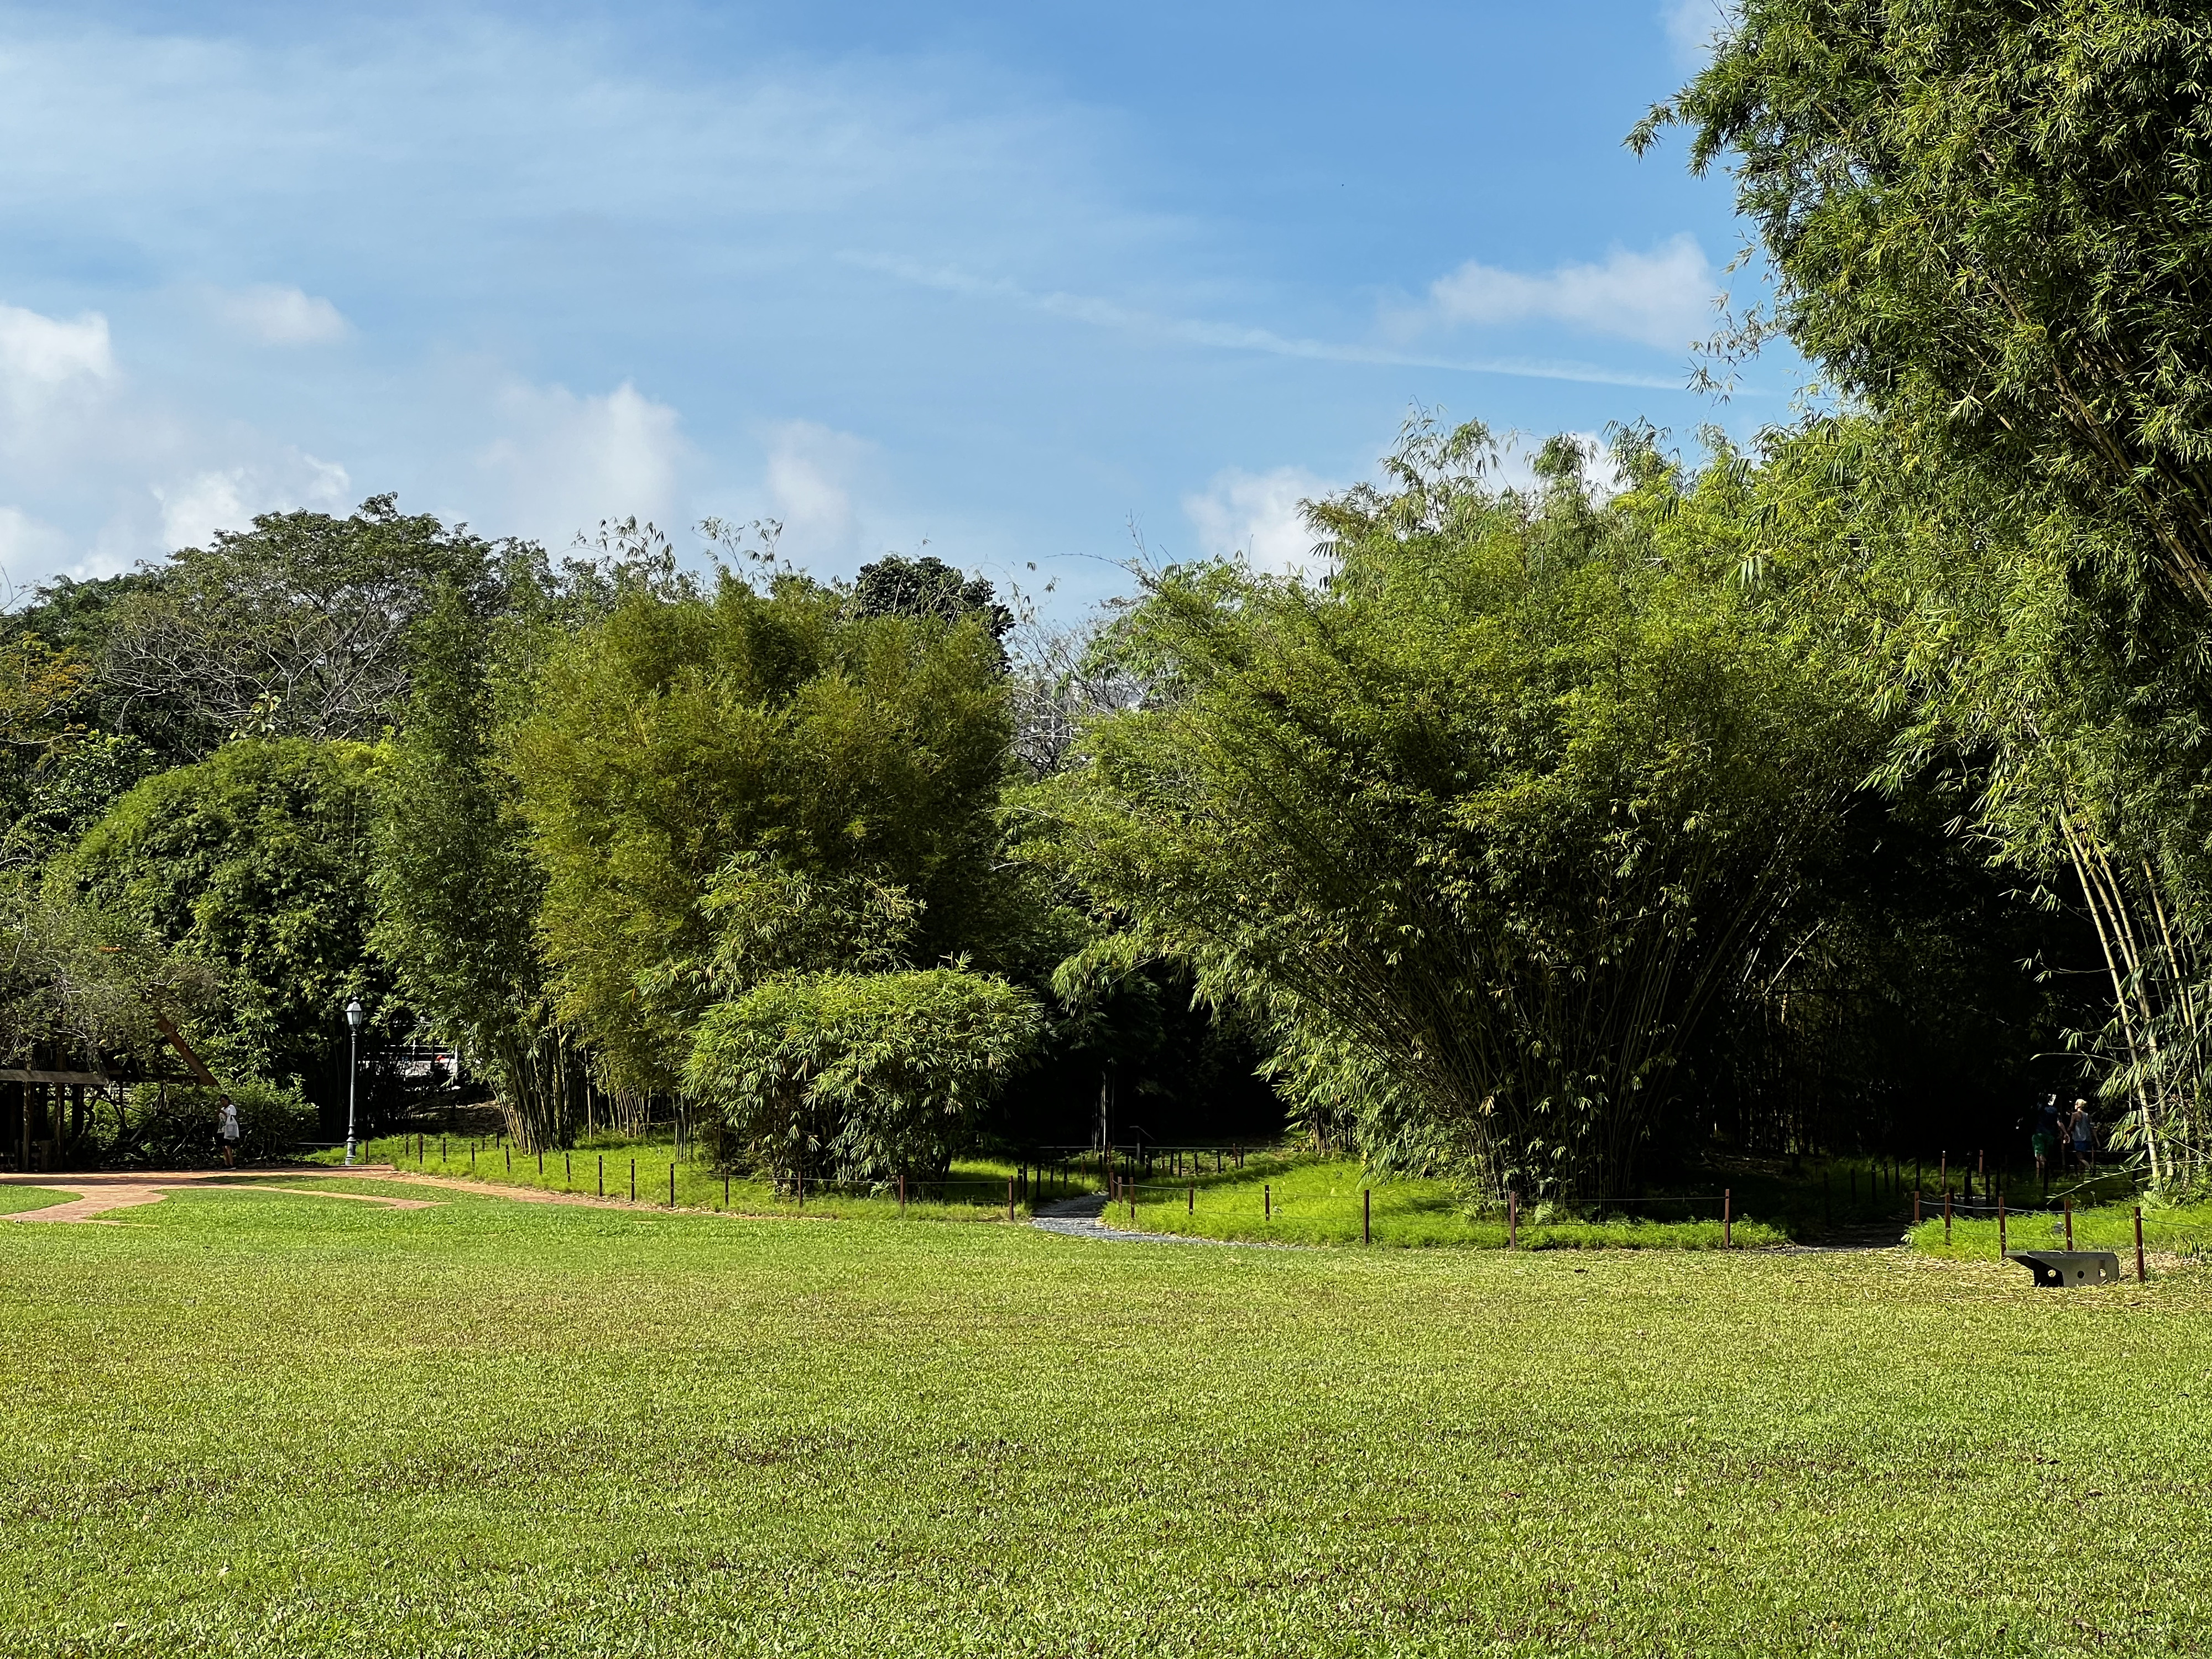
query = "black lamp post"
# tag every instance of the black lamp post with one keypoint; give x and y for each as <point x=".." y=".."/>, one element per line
<point x="354" y="1014"/>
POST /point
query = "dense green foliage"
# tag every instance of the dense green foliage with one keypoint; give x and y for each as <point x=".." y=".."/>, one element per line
<point x="1481" y="827"/>
<point x="1843" y="789"/>
<point x="251" y="861"/>
<point x="530" y="1429"/>
<point x="1992" y="216"/>
<point x="687" y="729"/>
<point x="862" y="1076"/>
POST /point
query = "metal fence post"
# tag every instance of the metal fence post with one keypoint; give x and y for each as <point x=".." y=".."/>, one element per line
<point x="1366" y="1215"/>
<point x="2140" y="1275"/>
<point x="1728" y="1218"/>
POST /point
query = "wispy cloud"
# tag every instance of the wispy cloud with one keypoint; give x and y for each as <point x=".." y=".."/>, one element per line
<point x="1662" y="298"/>
<point x="1691" y="27"/>
<point x="1235" y="337"/>
<point x="273" y="315"/>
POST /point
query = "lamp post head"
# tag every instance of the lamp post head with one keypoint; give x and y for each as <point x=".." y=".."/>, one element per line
<point x="355" y="1013"/>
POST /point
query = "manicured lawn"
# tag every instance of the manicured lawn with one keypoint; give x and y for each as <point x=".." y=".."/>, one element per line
<point x="976" y="1188"/>
<point x="253" y="1422"/>
<point x="1304" y="1200"/>
<point x="2181" y="1230"/>
<point x="14" y="1199"/>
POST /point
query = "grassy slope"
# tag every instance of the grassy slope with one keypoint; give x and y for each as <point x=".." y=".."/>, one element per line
<point x="252" y="1424"/>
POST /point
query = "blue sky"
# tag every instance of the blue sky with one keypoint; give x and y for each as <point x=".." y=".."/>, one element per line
<point x="1017" y="281"/>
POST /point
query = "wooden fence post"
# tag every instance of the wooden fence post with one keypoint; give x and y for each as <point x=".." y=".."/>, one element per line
<point x="2001" y="1226"/>
<point x="2140" y="1275"/>
<point x="671" y="1185"/>
<point x="1366" y="1215"/>
<point x="1728" y="1219"/>
<point x="1512" y="1218"/>
<point x="901" y="1196"/>
<point x="1010" y="1197"/>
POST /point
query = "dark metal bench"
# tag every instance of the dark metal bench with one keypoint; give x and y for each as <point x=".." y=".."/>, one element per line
<point x="2063" y="1269"/>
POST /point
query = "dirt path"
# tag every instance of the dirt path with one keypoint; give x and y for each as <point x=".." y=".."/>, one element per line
<point x="95" y="1194"/>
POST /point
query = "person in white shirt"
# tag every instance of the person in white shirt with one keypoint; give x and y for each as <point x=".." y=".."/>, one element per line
<point x="225" y="1125"/>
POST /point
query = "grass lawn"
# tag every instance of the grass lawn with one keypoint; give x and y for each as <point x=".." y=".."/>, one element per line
<point x="254" y="1423"/>
<point x="1304" y="1200"/>
<point x="623" y="1168"/>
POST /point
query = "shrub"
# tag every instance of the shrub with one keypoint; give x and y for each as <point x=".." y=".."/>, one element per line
<point x="874" y="1075"/>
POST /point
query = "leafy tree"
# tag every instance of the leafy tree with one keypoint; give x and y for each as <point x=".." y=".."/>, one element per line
<point x="1479" y="828"/>
<point x="457" y="893"/>
<point x="79" y="985"/>
<point x="873" y="1075"/>
<point x="299" y="627"/>
<point x="895" y="586"/>
<point x="254" y="862"/>
<point x="1993" y="217"/>
<point x="688" y="728"/>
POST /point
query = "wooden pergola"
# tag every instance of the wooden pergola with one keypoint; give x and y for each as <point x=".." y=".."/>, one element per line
<point x="43" y="1098"/>
<point x="48" y="1109"/>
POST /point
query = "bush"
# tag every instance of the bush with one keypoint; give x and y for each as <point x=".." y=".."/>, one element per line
<point x="872" y="1074"/>
<point x="167" y="1124"/>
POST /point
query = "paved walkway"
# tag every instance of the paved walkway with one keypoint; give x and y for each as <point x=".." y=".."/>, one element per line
<point x="1084" y="1218"/>
<point x="96" y="1194"/>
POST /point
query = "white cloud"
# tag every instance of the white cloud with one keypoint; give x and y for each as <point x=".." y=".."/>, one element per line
<point x="51" y="371"/>
<point x="569" y="462"/>
<point x="1662" y="298"/>
<point x="813" y="473"/>
<point x="29" y="549"/>
<point x="1257" y="515"/>
<point x="274" y="315"/>
<point x="228" y="498"/>
<point x="1691" y="27"/>
<point x="44" y="351"/>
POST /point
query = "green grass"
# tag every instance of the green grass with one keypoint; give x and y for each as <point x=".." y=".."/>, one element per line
<point x="251" y="1423"/>
<point x="14" y="1199"/>
<point x="608" y="1169"/>
<point x="1304" y="1200"/>
<point x="2180" y="1231"/>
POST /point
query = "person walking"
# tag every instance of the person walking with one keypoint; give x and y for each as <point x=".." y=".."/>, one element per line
<point x="227" y="1127"/>
<point x="2083" y="1133"/>
<point x="2044" y="1138"/>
